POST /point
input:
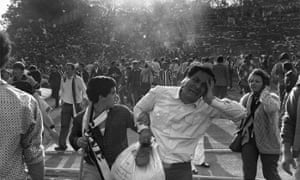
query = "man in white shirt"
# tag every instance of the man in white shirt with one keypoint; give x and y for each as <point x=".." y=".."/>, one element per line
<point x="73" y="96"/>
<point x="179" y="116"/>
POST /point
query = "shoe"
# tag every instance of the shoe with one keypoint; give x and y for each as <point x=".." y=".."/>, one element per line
<point x="205" y="165"/>
<point x="194" y="171"/>
<point x="60" y="148"/>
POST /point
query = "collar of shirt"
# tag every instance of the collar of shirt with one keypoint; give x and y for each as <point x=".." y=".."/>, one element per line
<point x="2" y="82"/>
<point x="176" y="95"/>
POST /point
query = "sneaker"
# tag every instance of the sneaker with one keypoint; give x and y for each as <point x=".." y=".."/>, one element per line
<point x="205" y="165"/>
<point x="60" y="148"/>
<point x="194" y="171"/>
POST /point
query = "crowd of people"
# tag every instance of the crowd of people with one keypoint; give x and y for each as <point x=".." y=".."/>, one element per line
<point x="171" y="99"/>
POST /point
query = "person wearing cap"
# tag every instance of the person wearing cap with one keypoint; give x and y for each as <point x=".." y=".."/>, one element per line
<point x="178" y="116"/>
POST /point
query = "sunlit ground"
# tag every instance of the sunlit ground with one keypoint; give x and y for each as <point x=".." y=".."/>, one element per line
<point x="149" y="2"/>
<point x="141" y="2"/>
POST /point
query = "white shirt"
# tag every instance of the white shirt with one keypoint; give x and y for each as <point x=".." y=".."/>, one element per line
<point x="66" y="90"/>
<point x="156" y="67"/>
<point x="177" y="126"/>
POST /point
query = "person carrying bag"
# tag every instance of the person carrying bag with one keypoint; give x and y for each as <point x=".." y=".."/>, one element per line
<point x="94" y="130"/>
<point x="95" y="144"/>
<point x="236" y="144"/>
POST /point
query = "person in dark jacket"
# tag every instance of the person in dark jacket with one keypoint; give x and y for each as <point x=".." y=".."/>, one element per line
<point x="54" y="80"/>
<point x="20" y="75"/>
<point x="83" y="73"/>
<point x="114" y="72"/>
<point x="35" y="73"/>
<point x="222" y="78"/>
<point x="101" y="91"/>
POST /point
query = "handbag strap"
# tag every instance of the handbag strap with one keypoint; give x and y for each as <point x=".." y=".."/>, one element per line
<point x="92" y="153"/>
<point x="246" y="120"/>
<point x="96" y="132"/>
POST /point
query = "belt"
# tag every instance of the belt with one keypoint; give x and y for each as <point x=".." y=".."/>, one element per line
<point x="68" y="104"/>
<point x="182" y="165"/>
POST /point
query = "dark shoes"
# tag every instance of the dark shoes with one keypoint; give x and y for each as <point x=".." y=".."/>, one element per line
<point x="60" y="148"/>
<point x="204" y="165"/>
<point x="194" y="171"/>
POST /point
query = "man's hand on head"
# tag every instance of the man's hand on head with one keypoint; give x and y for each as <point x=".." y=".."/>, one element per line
<point x="209" y="96"/>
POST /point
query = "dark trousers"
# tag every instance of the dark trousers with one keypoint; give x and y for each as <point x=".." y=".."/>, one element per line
<point x="145" y="87"/>
<point x="250" y="155"/>
<point x="178" y="171"/>
<point x="55" y="95"/>
<point x="66" y="116"/>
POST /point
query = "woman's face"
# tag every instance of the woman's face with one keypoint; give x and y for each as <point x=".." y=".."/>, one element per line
<point x="255" y="83"/>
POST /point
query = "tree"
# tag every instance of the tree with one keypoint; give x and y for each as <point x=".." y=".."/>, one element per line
<point x="35" y="25"/>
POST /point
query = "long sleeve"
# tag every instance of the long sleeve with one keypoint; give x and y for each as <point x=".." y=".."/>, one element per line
<point x="31" y="140"/>
<point x="145" y="105"/>
<point x="229" y="109"/>
<point x="289" y="119"/>
<point x="270" y="101"/>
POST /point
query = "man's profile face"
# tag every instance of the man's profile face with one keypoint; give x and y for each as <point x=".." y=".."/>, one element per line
<point x="111" y="98"/>
<point x="196" y="86"/>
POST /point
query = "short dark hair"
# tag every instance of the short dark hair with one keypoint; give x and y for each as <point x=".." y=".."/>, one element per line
<point x="263" y="74"/>
<point x="220" y="59"/>
<point x="32" y="67"/>
<point x="19" y="65"/>
<point x="99" y="85"/>
<point x="5" y="48"/>
<point x="194" y="69"/>
<point x="287" y="66"/>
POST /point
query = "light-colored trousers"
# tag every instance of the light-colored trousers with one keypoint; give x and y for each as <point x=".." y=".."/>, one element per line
<point x="198" y="157"/>
<point x="297" y="172"/>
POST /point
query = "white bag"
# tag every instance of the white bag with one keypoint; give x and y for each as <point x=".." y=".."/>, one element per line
<point x="125" y="168"/>
<point x="104" y="169"/>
